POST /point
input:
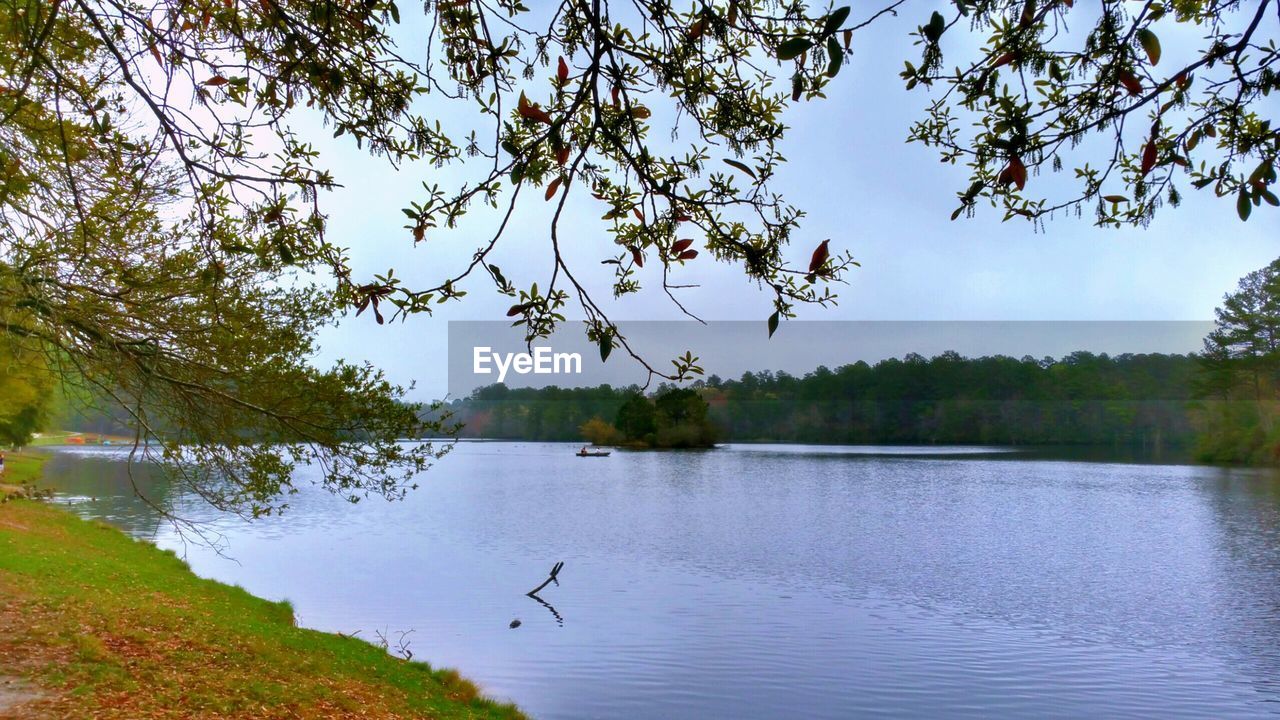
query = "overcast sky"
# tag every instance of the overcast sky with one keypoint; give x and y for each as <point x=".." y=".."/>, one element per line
<point x="885" y="201"/>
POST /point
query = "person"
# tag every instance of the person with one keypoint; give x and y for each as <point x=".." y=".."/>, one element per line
<point x="1" y="463"/>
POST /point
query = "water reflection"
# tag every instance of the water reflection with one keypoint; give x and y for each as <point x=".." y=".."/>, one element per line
<point x="765" y="582"/>
<point x="101" y="483"/>
<point x="1246" y="506"/>
<point x="538" y="599"/>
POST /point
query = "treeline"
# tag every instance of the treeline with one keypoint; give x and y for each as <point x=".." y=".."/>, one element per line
<point x="1082" y="398"/>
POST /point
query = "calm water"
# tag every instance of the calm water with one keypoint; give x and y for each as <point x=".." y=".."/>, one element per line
<point x="783" y="581"/>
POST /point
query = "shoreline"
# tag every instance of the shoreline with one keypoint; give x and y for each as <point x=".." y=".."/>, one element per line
<point x="95" y="624"/>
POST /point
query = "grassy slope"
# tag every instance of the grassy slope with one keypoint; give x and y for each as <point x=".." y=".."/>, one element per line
<point x="120" y="629"/>
<point x="21" y="468"/>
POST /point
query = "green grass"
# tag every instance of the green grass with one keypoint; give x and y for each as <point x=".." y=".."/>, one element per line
<point x="116" y="628"/>
<point x="21" y="468"/>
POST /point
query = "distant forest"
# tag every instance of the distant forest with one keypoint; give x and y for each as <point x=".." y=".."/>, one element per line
<point x="1083" y="398"/>
<point x="1223" y="402"/>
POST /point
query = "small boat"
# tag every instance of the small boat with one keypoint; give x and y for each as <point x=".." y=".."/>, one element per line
<point x="584" y="452"/>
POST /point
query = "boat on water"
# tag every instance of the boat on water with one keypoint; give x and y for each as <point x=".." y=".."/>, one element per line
<point x="586" y="452"/>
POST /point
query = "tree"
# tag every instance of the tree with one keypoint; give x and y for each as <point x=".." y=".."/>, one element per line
<point x="637" y="418"/>
<point x="1038" y="90"/>
<point x="26" y="388"/>
<point x="162" y="236"/>
<point x="598" y="431"/>
<point x="1240" y="370"/>
<point x="1246" y="335"/>
<point x="682" y="420"/>
<point x="156" y="284"/>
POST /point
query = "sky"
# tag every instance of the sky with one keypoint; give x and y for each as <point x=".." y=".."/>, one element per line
<point x="885" y="201"/>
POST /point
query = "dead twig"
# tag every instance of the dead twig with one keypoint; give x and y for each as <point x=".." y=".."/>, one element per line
<point x="555" y="570"/>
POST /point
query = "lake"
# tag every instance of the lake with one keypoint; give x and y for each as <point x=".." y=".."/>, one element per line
<point x="758" y="581"/>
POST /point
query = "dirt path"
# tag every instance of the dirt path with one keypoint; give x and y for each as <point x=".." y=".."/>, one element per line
<point x="20" y="700"/>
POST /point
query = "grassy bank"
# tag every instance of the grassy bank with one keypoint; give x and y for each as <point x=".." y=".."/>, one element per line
<point x="108" y="627"/>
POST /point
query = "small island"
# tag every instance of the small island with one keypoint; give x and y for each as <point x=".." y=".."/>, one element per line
<point x="675" y="418"/>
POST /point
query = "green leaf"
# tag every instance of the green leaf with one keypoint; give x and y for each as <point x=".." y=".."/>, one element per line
<point x="834" y="56"/>
<point x="1261" y="172"/>
<point x="1151" y="44"/>
<point x="606" y="346"/>
<point x="773" y="323"/>
<point x="1244" y="205"/>
<point x="395" y="12"/>
<point x="937" y="25"/>
<point x="791" y="49"/>
<point x="741" y="166"/>
<point x="835" y="20"/>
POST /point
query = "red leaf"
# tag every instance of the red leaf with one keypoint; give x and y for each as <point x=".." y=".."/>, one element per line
<point x="637" y="212"/>
<point x="552" y="188"/>
<point x="635" y="255"/>
<point x="683" y="218"/>
<point x="1028" y="14"/>
<point x="531" y="111"/>
<point x="155" y="53"/>
<point x="687" y="255"/>
<point x="562" y="71"/>
<point x="1148" y="157"/>
<point x="562" y="156"/>
<point x="614" y="94"/>
<point x="680" y="245"/>
<point x="515" y="310"/>
<point x="1014" y="173"/>
<point x="1003" y="60"/>
<point x="820" y="255"/>
<point x="216" y="81"/>
<point x="1131" y="83"/>
<point x="696" y="30"/>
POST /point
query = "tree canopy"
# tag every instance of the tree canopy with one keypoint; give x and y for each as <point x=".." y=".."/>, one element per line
<point x="1241" y="372"/>
<point x="26" y="386"/>
<point x="162" y="232"/>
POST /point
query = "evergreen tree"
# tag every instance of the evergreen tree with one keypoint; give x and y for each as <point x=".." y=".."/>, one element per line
<point x="1240" y="368"/>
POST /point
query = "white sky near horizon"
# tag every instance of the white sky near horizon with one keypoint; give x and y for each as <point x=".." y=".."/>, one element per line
<point x="849" y="167"/>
